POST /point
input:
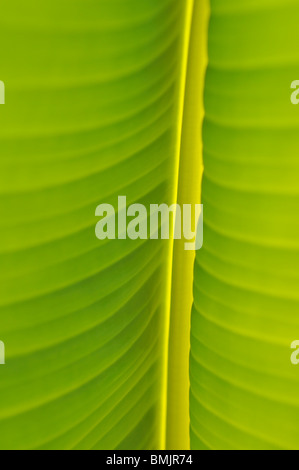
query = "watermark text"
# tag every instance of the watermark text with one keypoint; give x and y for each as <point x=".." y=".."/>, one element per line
<point x="2" y="93"/>
<point x="159" y="222"/>
<point x="295" y="354"/>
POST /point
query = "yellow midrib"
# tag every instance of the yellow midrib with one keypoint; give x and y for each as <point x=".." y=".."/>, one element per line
<point x="189" y="172"/>
<point x="186" y="28"/>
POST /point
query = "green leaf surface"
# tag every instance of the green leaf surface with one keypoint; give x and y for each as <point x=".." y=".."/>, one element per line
<point x="90" y="114"/>
<point x="244" y="389"/>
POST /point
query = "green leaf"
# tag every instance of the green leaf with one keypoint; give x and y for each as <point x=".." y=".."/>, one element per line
<point x="244" y="389"/>
<point x="92" y="92"/>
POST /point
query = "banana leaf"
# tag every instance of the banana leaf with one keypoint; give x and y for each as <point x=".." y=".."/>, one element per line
<point x="244" y="387"/>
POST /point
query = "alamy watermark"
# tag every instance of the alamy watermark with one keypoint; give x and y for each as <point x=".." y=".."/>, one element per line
<point x="2" y="353"/>
<point x="295" y="94"/>
<point x="295" y="354"/>
<point x="2" y="93"/>
<point x="159" y="222"/>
